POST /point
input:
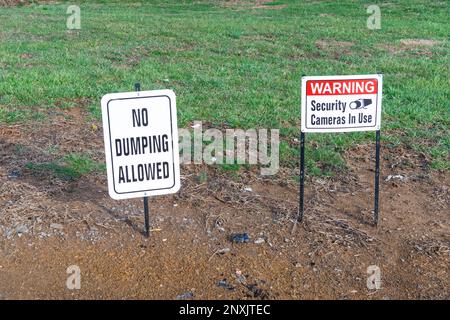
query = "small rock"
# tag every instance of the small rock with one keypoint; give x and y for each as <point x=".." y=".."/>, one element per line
<point x="248" y="189"/>
<point x="15" y="174"/>
<point x="21" y="229"/>
<point x="44" y="235"/>
<point x="8" y="232"/>
<point x="224" y="284"/>
<point x="395" y="177"/>
<point x="56" y="226"/>
<point x="185" y="295"/>
<point x="259" y="241"/>
<point x="255" y="292"/>
<point x="240" y="277"/>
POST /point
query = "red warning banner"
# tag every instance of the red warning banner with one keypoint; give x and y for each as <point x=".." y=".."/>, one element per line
<point x="341" y="87"/>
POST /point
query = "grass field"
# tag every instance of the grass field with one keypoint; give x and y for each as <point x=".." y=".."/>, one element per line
<point x="234" y="64"/>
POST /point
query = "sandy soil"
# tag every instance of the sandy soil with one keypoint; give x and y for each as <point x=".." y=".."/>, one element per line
<point x="48" y="224"/>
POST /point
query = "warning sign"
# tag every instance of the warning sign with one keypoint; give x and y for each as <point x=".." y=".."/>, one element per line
<point x="341" y="103"/>
<point x="141" y="143"/>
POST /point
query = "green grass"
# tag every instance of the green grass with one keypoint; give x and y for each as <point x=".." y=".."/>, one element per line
<point x="70" y="167"/>
<point x="239" y="68"/>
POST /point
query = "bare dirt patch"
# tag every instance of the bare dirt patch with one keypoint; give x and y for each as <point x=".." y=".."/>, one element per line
<point x="255" y="4"/>
<point x="419" y="42"/>
<point x="335" y="49"/>
<point x="420" y="47"/>
<point x="267" y="4"/>
<point x="325" y="44"/>
<point x="48" y="224"/>
<point x="327" y="15"/>
<point x="11" y="3"/>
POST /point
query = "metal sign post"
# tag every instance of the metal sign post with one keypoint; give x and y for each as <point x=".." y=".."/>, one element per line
<point x="146" y="218"/>
<point x="302" y="175"/>
<point x="377" y="176"/>
<point x="137" y="87"/>
<point x="341" y="104"/>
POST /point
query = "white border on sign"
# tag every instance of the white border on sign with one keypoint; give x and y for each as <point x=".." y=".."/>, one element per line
<point x="108" y="155"/>
<point x="377" y="125"/>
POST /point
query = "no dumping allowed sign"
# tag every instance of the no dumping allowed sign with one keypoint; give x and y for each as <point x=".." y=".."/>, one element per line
<point x="341" y="103"/>
<point x="141" y="143"/>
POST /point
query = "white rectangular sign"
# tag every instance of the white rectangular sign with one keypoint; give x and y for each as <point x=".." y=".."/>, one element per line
<point x="341" y="103"/>
<point x="141" y="143"/>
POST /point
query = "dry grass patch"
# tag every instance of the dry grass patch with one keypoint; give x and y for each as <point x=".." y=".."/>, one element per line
<point x="10" y="3"/>
<point x="256" y="4"/>
<point x="415" y="43"/>
<point x="417" y="46"/>
<point x="324" y="44"/>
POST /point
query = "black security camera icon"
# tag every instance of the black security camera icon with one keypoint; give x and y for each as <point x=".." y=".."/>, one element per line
<point x="360" y="104"/>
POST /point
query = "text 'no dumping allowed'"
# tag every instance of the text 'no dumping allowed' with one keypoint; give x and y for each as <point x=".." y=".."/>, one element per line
<point x="141" y="143"/>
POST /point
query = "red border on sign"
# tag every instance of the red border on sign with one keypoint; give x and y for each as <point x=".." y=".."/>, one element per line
<point x="341" y="87"/>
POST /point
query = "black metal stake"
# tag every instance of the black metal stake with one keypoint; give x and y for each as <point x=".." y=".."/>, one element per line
<point x="146" y="219"/>
<point x="302" y="175"/>
<point x="137" y="87"/>
<point x="377" y="176"/>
